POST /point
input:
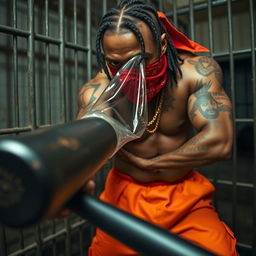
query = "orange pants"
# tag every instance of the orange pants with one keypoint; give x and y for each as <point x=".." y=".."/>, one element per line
<point x="183" y="208"/>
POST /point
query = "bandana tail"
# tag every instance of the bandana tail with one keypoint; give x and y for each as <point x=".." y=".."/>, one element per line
<point x="180" y="41"/>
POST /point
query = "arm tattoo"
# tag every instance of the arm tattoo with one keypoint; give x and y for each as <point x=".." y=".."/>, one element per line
<point x="206" y="66"/>
<point x="207" y="103"/>
<point x="192" y="145"/>
<point x="81" y="103"/>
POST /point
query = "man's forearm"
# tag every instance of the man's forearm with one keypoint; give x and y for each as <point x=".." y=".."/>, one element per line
<point x="199" y="151"/>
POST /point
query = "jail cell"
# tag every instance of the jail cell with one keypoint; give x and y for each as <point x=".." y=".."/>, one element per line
<point x="48" y="53"/>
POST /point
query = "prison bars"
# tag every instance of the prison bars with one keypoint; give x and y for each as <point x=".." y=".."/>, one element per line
<point x="230" y="54"/>
<point x="252" y="29"/>
<point x="49" y="40"/>
<point x="31" y="36"/>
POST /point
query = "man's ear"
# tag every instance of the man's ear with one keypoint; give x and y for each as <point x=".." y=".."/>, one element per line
<point x="163" y="43"/>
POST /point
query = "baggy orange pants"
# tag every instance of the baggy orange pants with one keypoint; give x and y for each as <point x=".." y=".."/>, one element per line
<point x="183" y="208"/>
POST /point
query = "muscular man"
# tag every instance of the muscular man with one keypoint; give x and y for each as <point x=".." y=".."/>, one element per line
<point x="153" y="177"/>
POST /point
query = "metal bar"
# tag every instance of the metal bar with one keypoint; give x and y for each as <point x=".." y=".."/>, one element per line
<point x="47" y="62"/>
<point x="192" y="20"/>
<point x="54" y="240"/>
<point x="244" y="120"/>
<point x="15" y="130"/>
<point x="232" y="84"/>
<point x="14" y="12"/>
<point x="104" y="7"/>
<point x="210" y="37"/>
<point x="45" y="125"/>
<point x="230" y="183"/>
<point x="14" y="31"/>
<point x="85" y="49"/>
<point x="252" y="32"/>
<point x="89" y="53"/>
<point x="3" y="243"/>
<point x="175" y="17"/>
<point x="210" y="26"/>
<point x="160" y="5"/>
<point x="138" y="234"/>
<point x="46" y="18"/>
<point x="199" y="7"/>
<point x="62" y="62"/>
<point x="67" y="238"/>
<point x="63" y="231"/>
<point x="88" y="36"/>
<point x="79" y="224"/>
<point x="47" y="39"/>
<point x="75" y="22"/>
<point x="75" y="53"/>
<point x="46" y="239"/>
<point x="31" y="64"/>
<point x="81" y="241"/>
<point x="247" y="246"/>
<point x="38" y="240"/>
<point x="77" y="47"/>
<point x="21" y="236"/>
<point x="15" y="68"/>
<point x="25" y="250"/>
<point x="242" y="51"/>
<point x="76" y="70"/>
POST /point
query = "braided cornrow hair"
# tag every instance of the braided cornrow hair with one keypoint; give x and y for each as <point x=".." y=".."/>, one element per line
<point x="126" y="16"/>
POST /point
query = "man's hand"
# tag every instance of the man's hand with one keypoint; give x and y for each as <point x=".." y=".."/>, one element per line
<point x="143" y="163"/>
<point x="88" y="188"/>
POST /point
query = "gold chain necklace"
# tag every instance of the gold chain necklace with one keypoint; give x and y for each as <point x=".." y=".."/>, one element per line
<point x="157" y="116"/>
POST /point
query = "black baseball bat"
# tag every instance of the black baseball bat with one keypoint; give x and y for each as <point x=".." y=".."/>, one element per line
<point x="41" y="171"/>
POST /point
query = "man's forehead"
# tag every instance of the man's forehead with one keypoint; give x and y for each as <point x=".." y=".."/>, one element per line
<point x="141" y="26"/>
<point x="147" y="55"/>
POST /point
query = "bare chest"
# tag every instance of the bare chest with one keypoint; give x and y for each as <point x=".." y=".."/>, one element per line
<point x="174" y="117"/>
<point x="172" y="129"/>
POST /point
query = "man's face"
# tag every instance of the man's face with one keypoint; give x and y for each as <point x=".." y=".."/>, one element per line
<point x="120" y="47"/>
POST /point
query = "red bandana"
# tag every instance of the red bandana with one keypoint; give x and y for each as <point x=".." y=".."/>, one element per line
<point x="179" y="40"/>
<point x="156" y="72"/>
<point x="156" y="78"/>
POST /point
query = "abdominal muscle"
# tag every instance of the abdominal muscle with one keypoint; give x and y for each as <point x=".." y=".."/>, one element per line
<point x="152" y="146"/>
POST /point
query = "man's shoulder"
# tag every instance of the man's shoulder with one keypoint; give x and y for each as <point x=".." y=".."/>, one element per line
<point x="201" y="64"/>
<point x="197" y="67"/>
<point x="100" y="79"/>
<point x="93" y="87"/>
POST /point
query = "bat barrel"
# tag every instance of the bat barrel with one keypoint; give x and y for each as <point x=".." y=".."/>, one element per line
<point x="41" y="171"/>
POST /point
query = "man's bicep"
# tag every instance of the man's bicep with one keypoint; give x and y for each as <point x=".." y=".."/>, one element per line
<point x="209" y="103"/>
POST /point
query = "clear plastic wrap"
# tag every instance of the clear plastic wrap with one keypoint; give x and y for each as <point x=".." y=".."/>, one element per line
<point x="123" y="103"/>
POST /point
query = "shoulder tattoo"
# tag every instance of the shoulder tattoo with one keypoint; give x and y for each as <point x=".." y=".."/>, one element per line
<point x="206" y="66"/>
<point x="209" y="104"/>
<point x="81" y="102"/>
